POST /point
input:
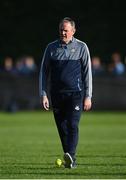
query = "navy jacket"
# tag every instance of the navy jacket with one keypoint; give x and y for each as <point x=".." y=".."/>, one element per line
<point x="68" y="66"/>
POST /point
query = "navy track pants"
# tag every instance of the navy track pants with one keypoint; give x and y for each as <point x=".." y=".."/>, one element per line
<point x="67" y="108"/>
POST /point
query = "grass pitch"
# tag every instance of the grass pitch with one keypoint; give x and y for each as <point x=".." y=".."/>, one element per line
<point x="29" y="146"/>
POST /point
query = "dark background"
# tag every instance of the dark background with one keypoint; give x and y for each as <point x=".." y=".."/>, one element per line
<point x="27" y="26"/>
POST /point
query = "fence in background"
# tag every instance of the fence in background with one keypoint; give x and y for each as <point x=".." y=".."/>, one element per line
<point x="21" y="92"/>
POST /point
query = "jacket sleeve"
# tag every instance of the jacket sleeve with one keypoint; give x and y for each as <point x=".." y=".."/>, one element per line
<point x="87" y="72"/>
<point x="44" y="73"/>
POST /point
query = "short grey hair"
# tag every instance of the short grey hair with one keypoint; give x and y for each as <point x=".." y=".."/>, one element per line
<point x="67" y="19"/>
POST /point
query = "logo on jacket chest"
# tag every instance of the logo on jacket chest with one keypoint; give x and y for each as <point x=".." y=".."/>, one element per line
<point x="73" y="50"/>
<point x="59" y="50"/>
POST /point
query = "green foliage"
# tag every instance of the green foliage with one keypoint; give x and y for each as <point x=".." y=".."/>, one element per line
<point x="29" y="146"/>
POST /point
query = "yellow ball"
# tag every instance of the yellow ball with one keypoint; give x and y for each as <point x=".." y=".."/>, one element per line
<point x="58" y="162"/>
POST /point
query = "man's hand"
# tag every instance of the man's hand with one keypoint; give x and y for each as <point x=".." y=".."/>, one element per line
<point x="87" y="104"/>
<point x="45" y="102"/>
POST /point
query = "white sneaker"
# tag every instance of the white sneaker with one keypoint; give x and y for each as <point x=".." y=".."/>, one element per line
<point x="68" y="160"/>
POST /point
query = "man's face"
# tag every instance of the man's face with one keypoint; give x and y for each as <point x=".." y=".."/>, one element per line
<point x="66" y="32"/>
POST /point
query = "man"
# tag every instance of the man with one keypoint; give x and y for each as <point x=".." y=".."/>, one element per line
<point x="67" y="62"/>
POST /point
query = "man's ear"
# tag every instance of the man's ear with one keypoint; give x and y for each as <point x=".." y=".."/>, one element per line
<point x="74" y="30"/>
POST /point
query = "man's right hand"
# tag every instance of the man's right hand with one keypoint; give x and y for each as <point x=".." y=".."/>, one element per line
<point x="45" y="102"/>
